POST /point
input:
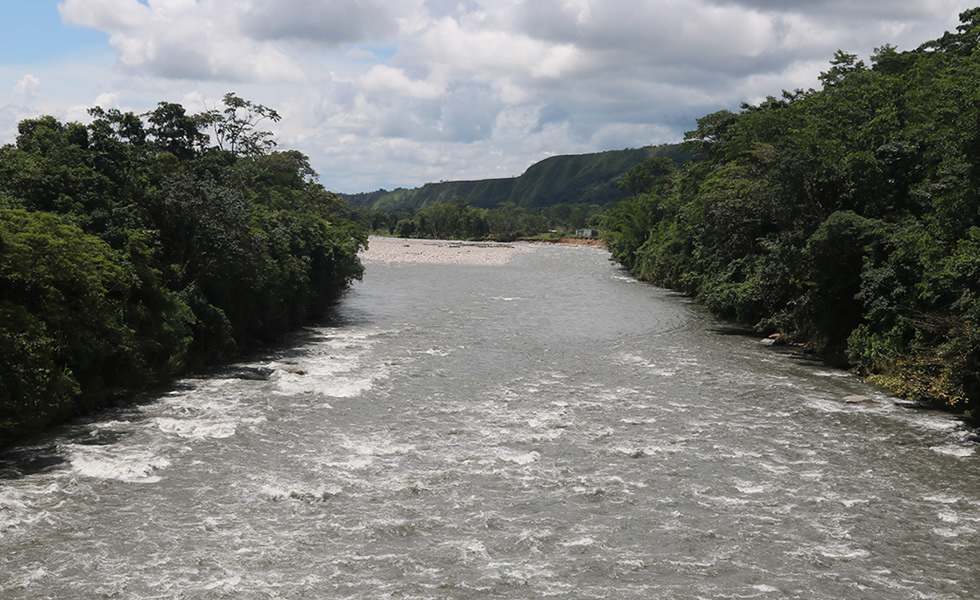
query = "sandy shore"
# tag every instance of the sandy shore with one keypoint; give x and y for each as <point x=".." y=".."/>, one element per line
<point x="384" y="249"/>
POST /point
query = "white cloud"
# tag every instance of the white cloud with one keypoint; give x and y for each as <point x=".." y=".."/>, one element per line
<point x="474" y="51"/>
<point x="387" y="93"/>
<point x="382" y="79"/>
<point x="18" y="105"/>
<point x="321" y="22"/>
<point x="106" y="15"/>
<point x="183" y="39"/>
<point x="26" y="89"/>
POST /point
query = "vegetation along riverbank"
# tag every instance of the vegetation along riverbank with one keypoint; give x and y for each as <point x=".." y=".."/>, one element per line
<point x="847" y="217"/>
<point x="137" y="247"/>
<point x="844" y="219"/>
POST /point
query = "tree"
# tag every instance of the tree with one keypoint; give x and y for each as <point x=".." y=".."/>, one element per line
<point x="643" y="178"/>
<point x="845" y="217"/>
<point x="63" y="329"/>
<point x="840" y="66"/>
<point x="176" y="132"/>
<point x="131" y="249"/>
<point x="964" y="41"/>
<point x="235" y="126"/>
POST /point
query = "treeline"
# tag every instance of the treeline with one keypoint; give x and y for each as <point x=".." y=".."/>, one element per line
<point x="847" y="218"/>
<point x="553" y="198"/>
<point x="458" y="220"/>
<point x="588" y="179"/>
<point x="139" y="246"/>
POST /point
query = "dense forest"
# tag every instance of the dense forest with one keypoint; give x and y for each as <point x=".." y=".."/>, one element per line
<point x="561" y="193"/>
<point x="846" y="218"/>
<point x="458" y="220"/>
<point x="139" y="246"/>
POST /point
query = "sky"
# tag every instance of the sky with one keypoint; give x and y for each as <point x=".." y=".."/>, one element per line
<point x="398" y="93"/>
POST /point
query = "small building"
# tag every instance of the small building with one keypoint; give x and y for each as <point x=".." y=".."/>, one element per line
<point x="587" y="233"/>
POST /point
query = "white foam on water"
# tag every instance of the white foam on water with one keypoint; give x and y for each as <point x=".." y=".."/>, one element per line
<point x="842" y="552"/>
<point x="538" y="436"/>
<point x="650" y="450"/>
<point x="633" y="359"/>
<point x="24" y="581"/>
<point x="946" y="532"/>
<point x="679" y="407"/>
<point x="333" y="381"/>
<point x="751" y="489"/>
<point x="517" y="458"/>
<point x="229" y="584"/>
<point x="22" y="505"/>
<point x="278" y="492"/>
<point x="774" y="469"/>
<point x="833" y="374"/>
<point x="436" y="352"/>
<point x="468" y="550"/>
<point x="954" y="450"/>
<point x="335" y="367"/>
<point x="550" y="378"/>
<point x="580" y="543"/>
<point x="941" y="423"/>
<point x="206" y="399"/>
<point x="355" y="463"/>
<point x="554" y="419"/>
<point x="944" y="499"/>
<point x="212" y="409"/>
<point x="347" y="388"/>
<point x="377" y="447"/>
<point x="519" y="574"/>
<point x="637" y="421"/>
<point x="466" y="473"/>
<point x="852" y="502"/>
<point x="831" y="405"/>
<point x="186" y="428"/>
<point x="328" y="376"/>
<point x="533" y="539"/>
<point x="113" y="462"/>
<point x="948" y="516"/>
<point x="625" y="278"/>
<point x="598" y="398"/>
<point x="750" y="454"/>
<point x="726" y="500"/>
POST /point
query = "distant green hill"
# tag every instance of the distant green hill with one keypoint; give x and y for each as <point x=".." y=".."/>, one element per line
<point x="568" y="179"/>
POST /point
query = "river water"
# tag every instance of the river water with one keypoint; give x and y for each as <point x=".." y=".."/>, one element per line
<point x="545" y="429"/>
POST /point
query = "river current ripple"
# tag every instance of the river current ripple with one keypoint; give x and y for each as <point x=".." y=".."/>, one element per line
<point x="545" y="429"/>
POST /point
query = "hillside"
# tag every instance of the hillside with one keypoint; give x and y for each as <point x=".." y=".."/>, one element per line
<point x="580" y="178"/>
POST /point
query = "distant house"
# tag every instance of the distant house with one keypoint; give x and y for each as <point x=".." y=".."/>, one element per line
<point x="589" y="233"/>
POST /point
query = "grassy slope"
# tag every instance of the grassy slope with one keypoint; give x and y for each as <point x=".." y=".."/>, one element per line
<point x="587" y="178"/>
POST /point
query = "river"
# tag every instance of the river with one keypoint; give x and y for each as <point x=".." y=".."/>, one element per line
<point x="548" y="428"/>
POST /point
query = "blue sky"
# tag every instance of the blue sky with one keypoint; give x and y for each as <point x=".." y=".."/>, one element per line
<point x="32" y="31"/>
<point x="386" y="93"/>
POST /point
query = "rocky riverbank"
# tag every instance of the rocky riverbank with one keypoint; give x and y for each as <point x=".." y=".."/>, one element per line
<point x="571" y="241"/>
<point x="382" y="249"/>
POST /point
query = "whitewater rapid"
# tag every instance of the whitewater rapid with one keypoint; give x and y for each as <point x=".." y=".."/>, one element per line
<point x="541" y="428"/>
